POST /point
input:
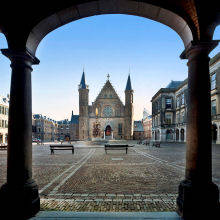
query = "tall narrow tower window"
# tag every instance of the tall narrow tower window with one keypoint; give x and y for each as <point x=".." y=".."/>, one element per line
<point x="96" y="112"/>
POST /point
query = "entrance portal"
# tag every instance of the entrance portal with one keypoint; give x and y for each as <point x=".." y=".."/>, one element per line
<point x="108" y="131"/>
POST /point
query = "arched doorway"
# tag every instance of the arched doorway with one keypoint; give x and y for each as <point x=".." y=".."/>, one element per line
<point x="182" y="134"/>
<point x="177" y="134"/>
<point x="169" y="135"/>
<point x="214" y="133"/>
<point x="108" y="131"/>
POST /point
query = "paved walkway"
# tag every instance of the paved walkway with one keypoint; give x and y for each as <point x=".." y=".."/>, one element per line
<point x="144" y="180"/>
<point x="107" y="216"/>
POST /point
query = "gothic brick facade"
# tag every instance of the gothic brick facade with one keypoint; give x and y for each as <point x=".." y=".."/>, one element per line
<point x="107" y="117"/>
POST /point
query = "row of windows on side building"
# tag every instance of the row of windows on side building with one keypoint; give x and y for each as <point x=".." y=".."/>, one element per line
<point x="169" y="107"/>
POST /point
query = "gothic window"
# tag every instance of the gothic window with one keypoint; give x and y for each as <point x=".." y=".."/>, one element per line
<point x="108" y="112"/>
<point x="96" y="111"/>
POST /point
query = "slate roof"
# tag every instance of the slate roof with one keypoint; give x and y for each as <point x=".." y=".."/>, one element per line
<point x="215" y="59"/>
<point x="39" y="116"/>
<point x="108" y="85"/>
<point x="4" y="101"/>
<point x="128" y="86"/>
<point x="138" y="126"/>
<point x="65" y="122"/>
<point x="174" y="84"/>
<point x="83" y="82"/>
<point x="74" y="119"/>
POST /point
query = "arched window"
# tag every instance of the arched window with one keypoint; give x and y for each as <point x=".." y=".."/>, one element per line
<point x="96" y="111"/>
<point x="177" y="134"/>
<point x="182" y="134"/>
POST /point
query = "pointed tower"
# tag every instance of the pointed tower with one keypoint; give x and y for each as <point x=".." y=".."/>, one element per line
<point x="129" y="110"/>
<point x="71" y="120"/>
<point x="83" y="109"/>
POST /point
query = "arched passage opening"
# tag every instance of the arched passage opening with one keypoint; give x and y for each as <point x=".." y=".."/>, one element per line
<point x="54" y="21"/>
<point x="169" y="135"/>
<point x="108" y="131"/>
<point x="214" y="133"/>
<point x="177" y="134"/>
<point x="182" y="134"/>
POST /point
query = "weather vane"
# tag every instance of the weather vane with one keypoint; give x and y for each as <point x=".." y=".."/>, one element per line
<point x="108" y="76"/>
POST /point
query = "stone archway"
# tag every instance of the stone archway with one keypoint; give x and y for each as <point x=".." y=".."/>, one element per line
<point x="196" y="33"/>
<point x="108" y="130"/>
<point x="169" y="135"/>
<point x="177" y="134"/>
<point x="182" y="135"/>
<point x="100" y="7"/>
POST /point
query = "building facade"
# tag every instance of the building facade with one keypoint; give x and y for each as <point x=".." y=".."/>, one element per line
<point x="4" y="107"/>
<point x="44" y="128"/>
<point x="107" y="117"/>
<point x="147" y="125"/>
<point x="169" y="108"/>
<point x="69" y="130"/>
<point x="138" y="133"/>
<point x="215" y="97"/>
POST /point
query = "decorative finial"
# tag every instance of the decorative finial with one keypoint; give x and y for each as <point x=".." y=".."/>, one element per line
<point x="108" y="76"/>
<point x="129" y="71"/>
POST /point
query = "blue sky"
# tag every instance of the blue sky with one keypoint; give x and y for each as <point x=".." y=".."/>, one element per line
<point x="102" y="44"/>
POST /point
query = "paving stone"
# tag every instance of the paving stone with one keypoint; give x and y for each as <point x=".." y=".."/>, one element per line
<point x="136" y="183"/>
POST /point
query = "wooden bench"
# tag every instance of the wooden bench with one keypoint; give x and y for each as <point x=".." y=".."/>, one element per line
<point x="3" y="147"/>
<point x="156" y="143"/>
<point x="54" y="147"/>
<point x="116" y="147"/>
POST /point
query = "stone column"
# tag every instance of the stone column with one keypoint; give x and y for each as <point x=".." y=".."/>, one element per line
<point x="19" y="195"/>
<point x="197" y="193"/>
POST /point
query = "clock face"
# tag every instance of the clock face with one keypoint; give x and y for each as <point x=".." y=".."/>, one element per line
<point x="107" y="111"/>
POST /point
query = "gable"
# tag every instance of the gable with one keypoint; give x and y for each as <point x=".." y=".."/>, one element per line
<point x="108" y="92"/>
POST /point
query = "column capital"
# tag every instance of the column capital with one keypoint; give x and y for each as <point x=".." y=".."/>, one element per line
<point x="25" y="55"/>
<point x="199" y="46"/>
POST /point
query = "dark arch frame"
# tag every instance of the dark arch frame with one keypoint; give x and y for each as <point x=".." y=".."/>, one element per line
<point x="91" y="8"/>
<point x="198" y="43"/>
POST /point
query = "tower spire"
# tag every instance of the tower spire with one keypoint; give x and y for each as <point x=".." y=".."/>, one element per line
<point x="128" y="86"/>
<point x="82" y="84"/>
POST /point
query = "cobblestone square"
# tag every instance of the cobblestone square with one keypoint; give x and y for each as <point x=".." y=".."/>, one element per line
<point x="145" y="179"/>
